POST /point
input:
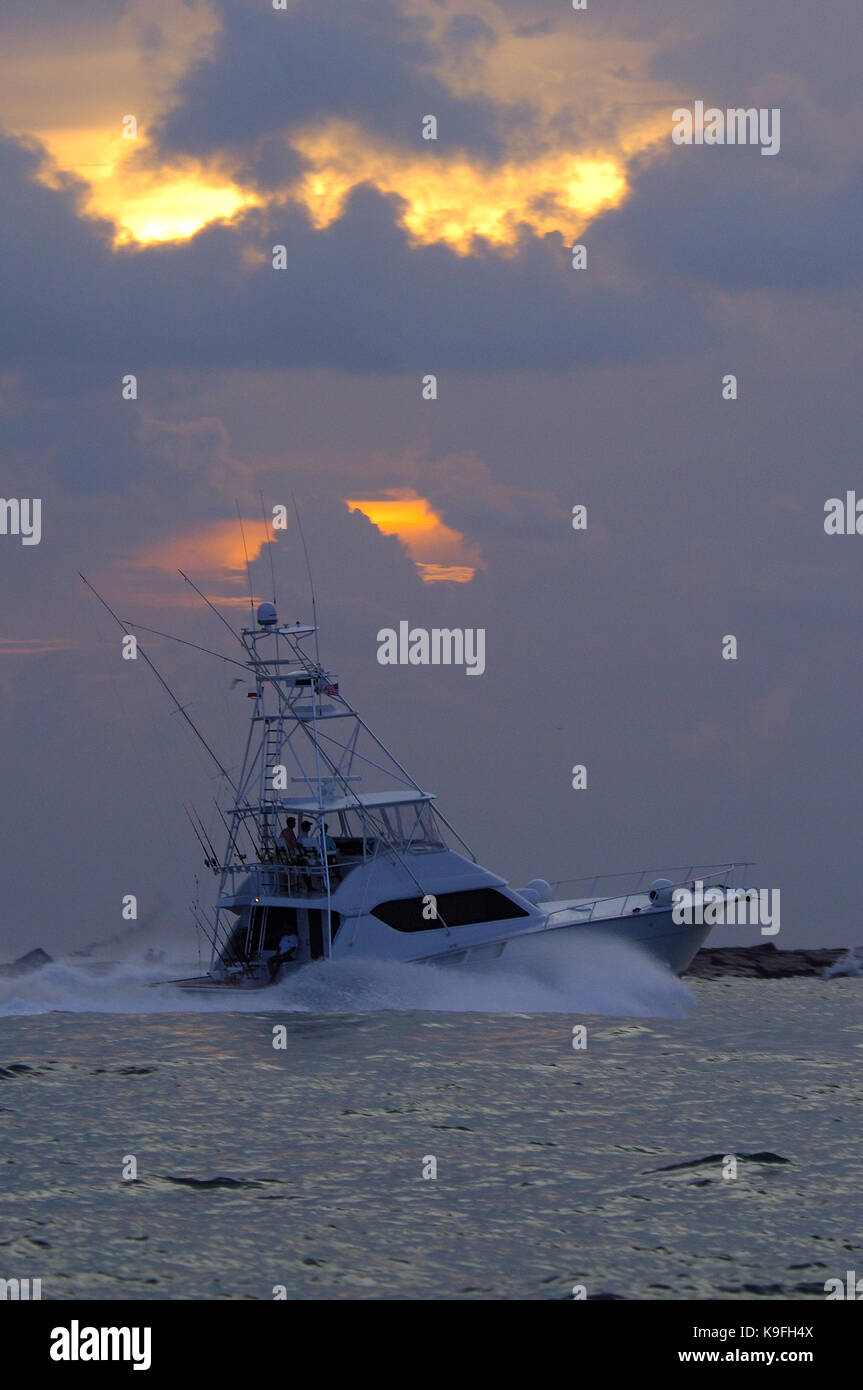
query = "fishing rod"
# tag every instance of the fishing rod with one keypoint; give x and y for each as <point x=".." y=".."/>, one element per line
<point x="212" y="936"/>
<point x="231" y="838"/>
<point x="214" y="856"/>
<point x="257" y="844"/>
<point x="213" y="851"/>
<point x="202" y="927"/>
<point x="207" y="862"/>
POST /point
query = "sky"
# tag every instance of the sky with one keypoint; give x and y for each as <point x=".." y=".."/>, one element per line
<point x="153" y="153"/>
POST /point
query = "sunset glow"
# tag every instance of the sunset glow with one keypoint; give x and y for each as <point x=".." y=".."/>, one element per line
<point x="165" y="208"/>
<point x="565" y="164"/>
<point x="453" y="200"/>
<point x="170" y="203"/>
<point x="439" y="552"/>
<point x="213" y="551"/>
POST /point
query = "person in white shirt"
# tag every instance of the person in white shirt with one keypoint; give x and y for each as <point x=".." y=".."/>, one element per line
<point x="287" y="952"/>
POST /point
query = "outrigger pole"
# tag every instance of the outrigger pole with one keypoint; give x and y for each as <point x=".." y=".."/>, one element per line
<point x="160" y="678"/>
<point x="183" y="643"/>
<point x="220" y="616"/>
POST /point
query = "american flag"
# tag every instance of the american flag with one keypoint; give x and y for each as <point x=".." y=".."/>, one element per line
<point x="331" y="689"/>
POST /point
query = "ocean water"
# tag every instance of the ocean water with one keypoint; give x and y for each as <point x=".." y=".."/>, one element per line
<point x="302" y="1167"/>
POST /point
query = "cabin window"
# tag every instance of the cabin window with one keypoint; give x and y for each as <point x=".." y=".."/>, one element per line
<point x="279" y="922"/>
<point x="454" y="910"/>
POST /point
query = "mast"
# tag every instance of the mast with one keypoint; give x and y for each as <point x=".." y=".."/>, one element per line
<point x="297" y="724"/>
<point x="302" y="724"/>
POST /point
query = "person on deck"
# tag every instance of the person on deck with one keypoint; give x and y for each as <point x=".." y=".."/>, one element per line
<point x="287" y="952"/>
<point x="289" y="838"/>
<point x="308" y="841"/>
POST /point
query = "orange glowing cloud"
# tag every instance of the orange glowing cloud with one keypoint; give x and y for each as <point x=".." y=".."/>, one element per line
<point x="171" y="205"/>
<point x="454" y="199"/>
<point x="591" y="107"/>
<point x="439" y="552"/>
<point x="214" y="551"/>
<point x="73" y="86"/>
<point x="589" y="100"/>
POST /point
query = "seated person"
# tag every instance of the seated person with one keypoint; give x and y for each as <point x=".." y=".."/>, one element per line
<point x="308" y="842"/>
<point x="287" y="951"/>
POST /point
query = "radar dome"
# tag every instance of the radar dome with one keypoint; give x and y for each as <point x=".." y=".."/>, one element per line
<point x="660" y="891"/>
<point x="537" y="891"/>
<point x="267" y="615"/>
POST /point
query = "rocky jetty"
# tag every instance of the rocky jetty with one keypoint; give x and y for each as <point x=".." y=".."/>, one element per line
<point x="24" y="965"/>
<point x="767" y="963"/>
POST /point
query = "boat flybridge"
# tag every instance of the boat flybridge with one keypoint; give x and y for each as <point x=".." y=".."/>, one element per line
<point x="334" y="851"/>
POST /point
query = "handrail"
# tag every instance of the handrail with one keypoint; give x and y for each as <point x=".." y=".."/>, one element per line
<point x="685" y="871"/>
<point x="279" y="879"/>
<point x="693" y="873"/>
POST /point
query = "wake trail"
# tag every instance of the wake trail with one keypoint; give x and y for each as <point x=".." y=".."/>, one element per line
<point x="589" y="976"/>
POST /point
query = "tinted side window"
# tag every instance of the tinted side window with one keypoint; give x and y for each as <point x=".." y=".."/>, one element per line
<point x="454" y="909"/>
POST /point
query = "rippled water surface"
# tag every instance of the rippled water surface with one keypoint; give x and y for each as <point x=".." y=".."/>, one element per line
<point x="302" y="1167"/>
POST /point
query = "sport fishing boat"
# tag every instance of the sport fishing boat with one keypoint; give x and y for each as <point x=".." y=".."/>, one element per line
<point x="320" y="865"/>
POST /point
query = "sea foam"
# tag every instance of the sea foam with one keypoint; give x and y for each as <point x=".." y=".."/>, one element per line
<point x="590" y="975"/>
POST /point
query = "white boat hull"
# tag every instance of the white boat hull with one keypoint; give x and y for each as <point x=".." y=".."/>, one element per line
<point x="656" y="933"/>
<point x="317" y="865"/>
<point x="653" y="932"/>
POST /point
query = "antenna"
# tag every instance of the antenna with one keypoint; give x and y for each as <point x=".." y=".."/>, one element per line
<point x="311" y="581"/>
<point x="248" y="570"/>
<point x="269" y="544"/>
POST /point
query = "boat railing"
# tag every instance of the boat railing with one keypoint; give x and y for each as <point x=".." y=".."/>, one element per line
<point x="630" y="899"/>
<point x="678" y="874"/>
<point x="275" y="878"/>
<point x="279" y="877"/>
